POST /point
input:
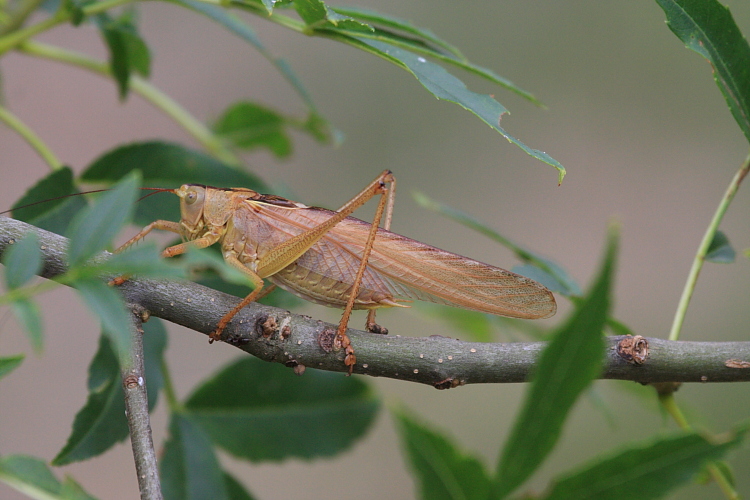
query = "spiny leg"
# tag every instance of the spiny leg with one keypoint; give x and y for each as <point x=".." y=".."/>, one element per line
<point x="163" y="225"/>
<point x="370" y="324"/>
<point x="342" y="338"/>
<point x="256" y="294"/>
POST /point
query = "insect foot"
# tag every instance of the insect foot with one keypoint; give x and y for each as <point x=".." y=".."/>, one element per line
<point x="342" y="342"/>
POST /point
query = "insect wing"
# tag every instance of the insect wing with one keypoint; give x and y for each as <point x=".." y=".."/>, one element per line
<point x="408" y="269"/>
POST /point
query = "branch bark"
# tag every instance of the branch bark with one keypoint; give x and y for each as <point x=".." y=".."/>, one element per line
<point x="277" y="335"/>
<point x="136" y="411"/>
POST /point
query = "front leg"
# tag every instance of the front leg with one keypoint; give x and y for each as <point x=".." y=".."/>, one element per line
<point x="164" y="225"/>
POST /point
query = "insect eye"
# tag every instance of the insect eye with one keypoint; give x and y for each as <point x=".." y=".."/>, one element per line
<point x="190" y="197"/>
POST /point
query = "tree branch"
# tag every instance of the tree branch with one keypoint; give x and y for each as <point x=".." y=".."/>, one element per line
<point x="136" y="411"/>
<point x="274" y="334"/>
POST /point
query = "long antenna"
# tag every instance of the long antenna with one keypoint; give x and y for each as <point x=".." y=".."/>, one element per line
<point x="154" y="191"/>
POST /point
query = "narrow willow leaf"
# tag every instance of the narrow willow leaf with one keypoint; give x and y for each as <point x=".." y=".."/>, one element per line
<point x="164" y="164"/>
<point x="555" y="277"/>
<point x="262" y="411"/>
<point x="57" y="211"/>
<point x="720" y="250"/>
<point x="31" y="476"/>
<point x="248" y="125"/>
<point x="424" y="42"/>
<point x="107" y="304"/>
<point x="643" y="471"/>
<point x="189" y="469"/>
<point x="22" y="261"/>
<point x="29" y="316"/>
<point x="95" y="228"/>
<point x="566" y="367"/>
<point x="10" y="363"/>
<point x="447" y="87"/>
<point x="707" y="27"/>
<point x="442" y="471"/>
<point x="235" y="489"/>
<point x="376" y="18"/>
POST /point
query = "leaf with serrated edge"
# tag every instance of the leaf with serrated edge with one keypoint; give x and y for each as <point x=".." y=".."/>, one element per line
<point x="101" y="422"/>
<point x="566" y="367"/>
<point x="447" y="87"/>
<point x="707" y="27"/>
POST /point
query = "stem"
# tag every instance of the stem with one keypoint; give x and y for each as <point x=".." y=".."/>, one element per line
<point x="136" y="411"/>
<point x="669" y="403"/>
<point x="15" y="38"/>
<point x="159" y="99"/>
<point x="700" y="256"/>
<point x="30" y="137"/>
<point x="19" y="17"/>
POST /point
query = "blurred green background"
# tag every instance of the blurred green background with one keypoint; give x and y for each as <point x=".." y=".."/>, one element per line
<point x="634" y="116"/>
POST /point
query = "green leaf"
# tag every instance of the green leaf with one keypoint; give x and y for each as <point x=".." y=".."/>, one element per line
<point x="189" y="469"/>
<point x="472" y="325"/>
<point x="127" y="50"/>
<point x="443" y="472"/>
<point x="169" y="165"/>
<point x="707" y="27"/>
<point x="447" y="87"/>
<point x="108" y="306"/>
<point x="248" y="126"/>
<point x="143" y="260"/>
<point x="29" y="316"/>
<point x="31" y="476"/>
<point x="720" y="250"/>
<point x="235" y="25"/>
<point x="57" y="211"/>
<point x="94" y="228"/>
<point x="552" y="276"/>
<point x="235" y="489"/>
<point x="262" y="411"/>
<point x="566" y="367"/>
<point x="643" y="471"/>
<point x="10" y="363"/>
<point x="316" y="14"/>
<point x="22" y="261"/>
<point x="101" y="423"/>
<point x="423" y="41"/>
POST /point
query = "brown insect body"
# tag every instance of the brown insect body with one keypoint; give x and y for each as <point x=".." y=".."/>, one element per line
<point x="318" y="255"/>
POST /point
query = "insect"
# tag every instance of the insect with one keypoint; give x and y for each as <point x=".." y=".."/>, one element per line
<point x="330" y="258"/>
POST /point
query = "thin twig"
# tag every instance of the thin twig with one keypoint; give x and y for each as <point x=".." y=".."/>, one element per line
<point x="277" y="335"/>
<point x="136" y="410"/>
<point x="700" y="255"/>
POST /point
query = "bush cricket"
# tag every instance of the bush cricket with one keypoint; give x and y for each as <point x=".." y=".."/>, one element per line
<point x="336" y="260"/>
